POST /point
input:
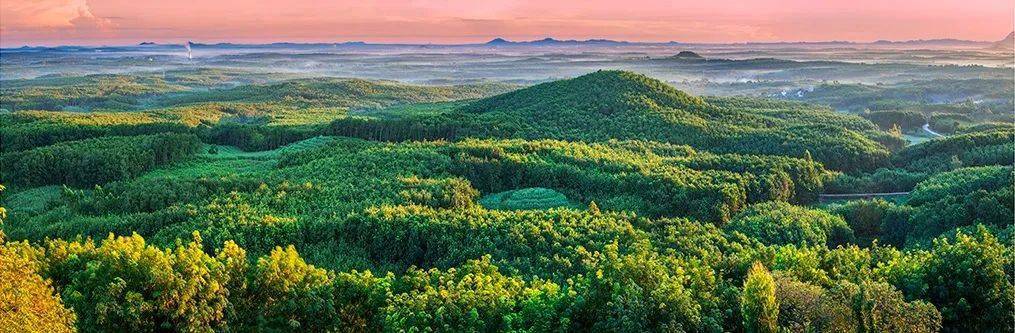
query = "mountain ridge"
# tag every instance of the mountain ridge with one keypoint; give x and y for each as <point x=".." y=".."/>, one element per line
<point x="500" y="41"/>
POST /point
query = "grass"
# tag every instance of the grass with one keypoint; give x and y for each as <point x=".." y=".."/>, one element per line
<point x="525" y="199"/>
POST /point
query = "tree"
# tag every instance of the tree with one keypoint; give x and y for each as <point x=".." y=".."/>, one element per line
<point x="758" y="305"/>
<point x="3" y="213"/>
<point x="779" y="223"/>
<point x="969" y="284"/>
<point x="895" y="131"/>
<point x="27" y="302"/>
<point x="286" y="293"/>
<point x="125" y="284"/>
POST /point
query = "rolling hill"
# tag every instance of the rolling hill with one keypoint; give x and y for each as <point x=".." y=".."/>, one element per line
<point x="608" y="105"/>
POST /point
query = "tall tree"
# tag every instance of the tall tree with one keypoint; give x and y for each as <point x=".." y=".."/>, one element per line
<point x="758" y="305"/>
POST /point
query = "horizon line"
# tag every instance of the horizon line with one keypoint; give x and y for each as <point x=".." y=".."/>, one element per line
<point x="492" y="39"/>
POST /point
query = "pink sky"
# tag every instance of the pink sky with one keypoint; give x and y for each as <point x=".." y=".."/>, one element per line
<point x="117" y="22"/>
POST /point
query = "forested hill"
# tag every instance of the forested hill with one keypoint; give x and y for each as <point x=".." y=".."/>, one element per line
<point x="610" y="202"/>
<point x="338" y="92"/>
<point x="623" y="105"/>
<point x="606" y="92"/>
<point x="144" y="91"/>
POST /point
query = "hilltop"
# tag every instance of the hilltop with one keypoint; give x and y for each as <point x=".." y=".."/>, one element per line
<point x="688" y="55"/>
<point x="608" y="105"/>
<point x="606" y="92"/>
<point x="557" y="42"/>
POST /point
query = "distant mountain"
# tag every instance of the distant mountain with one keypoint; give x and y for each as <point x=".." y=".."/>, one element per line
<point x="556" y="42"/>
<point x="688" y="55"/>
<point x="930" y="42"/>
<point x="498" y="41"/>
<point x="1008" y="43"/>
<point x="549" y="41"/>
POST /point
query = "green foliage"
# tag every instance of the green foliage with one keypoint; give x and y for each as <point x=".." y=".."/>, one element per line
<point x="779" y="223"/>
<point x="525" y="241"/>
<point x="907" y="120"/>
<point x="992" y="147"/>
<point x="758" y="304"/>
<point x="881" y="308"/>
<point x="948" y="122"/>
<point x="804" y="307"/>
<point x="963" y="197"/>
<point x="526" y="198"/>
<point x="27" y="130"/>
<point x="623" y="105"/>
<point x="660" y="214"/>
<point x="124" y="284"/>
<point x="880" y="181"/>
<point x="27" y="300"/>
<point x="95" y="161"/>
<point x="284" y="293"/>
<point x="849" y="307"/>
<point x="876" y="220"/>
<point x="336" y="92"/>
<point x="100" y="91"/>
<point x="252" y="137"/>
<point x="474" y="298"/>
<point x="968" y="281"/>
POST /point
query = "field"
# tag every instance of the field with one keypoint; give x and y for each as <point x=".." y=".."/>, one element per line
<point x="568" y="190"/>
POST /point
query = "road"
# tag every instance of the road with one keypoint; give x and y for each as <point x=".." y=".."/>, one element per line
<point x="926" y="127"/>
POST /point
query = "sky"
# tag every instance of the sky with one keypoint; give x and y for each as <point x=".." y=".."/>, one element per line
<point x="125" y="22"/>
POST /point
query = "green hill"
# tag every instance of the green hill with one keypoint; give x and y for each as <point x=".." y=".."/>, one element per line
<point x="988" y="147"/>
<point x="623" y="105"/>
<point x="336" y="92"/>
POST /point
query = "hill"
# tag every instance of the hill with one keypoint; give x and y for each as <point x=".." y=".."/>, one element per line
<point x="608" y="105"/>
<point x="688" y="55"/>
<point x="1008" y="43"/>
<point x="557" y="42"/>
<point x="337" y="92"/>
<point x="245" y="213"/>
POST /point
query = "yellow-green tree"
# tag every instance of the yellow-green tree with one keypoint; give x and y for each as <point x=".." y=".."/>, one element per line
<point x="758" y="305"/>
<point x="27" y="301"/>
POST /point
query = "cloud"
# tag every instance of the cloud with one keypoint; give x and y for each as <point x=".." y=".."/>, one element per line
<point x="58" y="15"/>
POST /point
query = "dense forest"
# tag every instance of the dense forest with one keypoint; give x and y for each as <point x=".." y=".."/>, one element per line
<point x="607" y="202"/>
